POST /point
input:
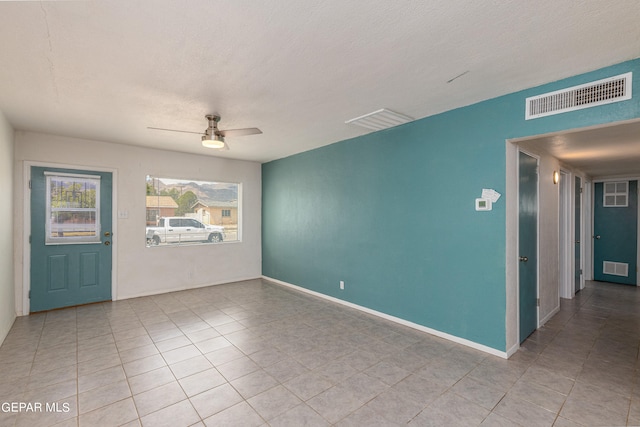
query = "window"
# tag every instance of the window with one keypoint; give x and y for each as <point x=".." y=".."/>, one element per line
<point x="186" y="212"/>
<point x="152" y="215"/>
<point x="616" y="194"/>
<point x="73" y="208"/>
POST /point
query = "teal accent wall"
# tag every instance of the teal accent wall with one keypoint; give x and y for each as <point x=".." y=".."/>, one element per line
<point x="392" y="213"/>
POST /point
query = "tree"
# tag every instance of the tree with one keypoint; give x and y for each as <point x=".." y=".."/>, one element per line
<point x="185" y="203"/>
<point x="151" y="191"/>
<point x="174" y="193"/>
<point x="73" y="194"/>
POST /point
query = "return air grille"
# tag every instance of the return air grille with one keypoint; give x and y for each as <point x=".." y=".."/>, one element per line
<point x="615" y="268"/>
<point x="380" y="119"/>
<point x="605" y="91"/>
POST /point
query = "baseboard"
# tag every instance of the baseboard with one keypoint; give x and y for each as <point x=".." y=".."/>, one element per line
<point x="179" y="289"/>
<point x="549" y="316"/>
<point x="398" y="320"/>
<point x="4" y="333"/>
<point x="512" y="350"/>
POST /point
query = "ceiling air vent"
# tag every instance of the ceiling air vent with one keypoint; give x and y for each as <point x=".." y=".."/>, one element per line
<point x="381" y="119"/>
<point x="605" y="91"/>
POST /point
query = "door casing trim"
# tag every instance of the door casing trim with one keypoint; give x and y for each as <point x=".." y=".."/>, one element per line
<point x="567" y="232"/>
<point x="566" y="178"/>
<point x="26" y="255"/>
<point x="593" y="210"/>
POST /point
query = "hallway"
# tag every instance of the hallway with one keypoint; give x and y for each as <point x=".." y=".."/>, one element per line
<point x="255" y="353"/>
<point x="589" y="351"/>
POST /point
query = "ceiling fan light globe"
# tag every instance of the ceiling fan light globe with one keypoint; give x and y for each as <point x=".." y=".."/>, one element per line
<point x="213" y="141"/>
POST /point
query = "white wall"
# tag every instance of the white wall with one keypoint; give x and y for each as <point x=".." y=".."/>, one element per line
<point x="7" y="307"/>
<point x="549" y="238"/>
<point x="140" y="270"/>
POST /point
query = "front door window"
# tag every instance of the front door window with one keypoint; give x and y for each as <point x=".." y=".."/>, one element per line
<point x="73" y="209"/>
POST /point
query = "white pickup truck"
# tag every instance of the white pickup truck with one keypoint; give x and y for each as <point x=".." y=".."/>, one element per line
<point x="177" y="229"/>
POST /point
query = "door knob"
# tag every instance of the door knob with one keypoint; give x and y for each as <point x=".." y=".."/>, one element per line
<point x="597" y="237"/>
<point x="107" y="233"/>
<point x="107" y="243"/>
<point x="524" y="259"/>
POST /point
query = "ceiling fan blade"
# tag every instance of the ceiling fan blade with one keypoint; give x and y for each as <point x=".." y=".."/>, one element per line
<point x="176" y="130"/>
<point x="240" y="132"/>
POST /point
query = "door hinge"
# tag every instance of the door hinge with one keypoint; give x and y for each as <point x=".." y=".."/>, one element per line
<point x="581" y="190"/>
<point x="580" y="272"/>
<point x="538" y="302"/>
<point x="29" y="184"/>
<point x="29" y="294"/>
<point x="29" y="239"/>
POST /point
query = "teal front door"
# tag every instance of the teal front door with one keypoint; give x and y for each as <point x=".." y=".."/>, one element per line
<point x="528" y="244"/>
<point x="70" y="237"/>
<point x="615" y="232"/>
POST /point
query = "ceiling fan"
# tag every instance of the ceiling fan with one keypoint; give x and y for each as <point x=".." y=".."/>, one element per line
<point x="213" y="137"/>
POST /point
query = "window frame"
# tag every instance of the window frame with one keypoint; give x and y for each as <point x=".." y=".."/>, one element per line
<point x="95" y="238"/>
<point x="203" y="211"/>
<point x="616" y="194"/>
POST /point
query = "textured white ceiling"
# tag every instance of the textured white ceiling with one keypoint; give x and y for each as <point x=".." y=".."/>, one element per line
<point x="600" y="152"/>
<point x="296" y="69"/>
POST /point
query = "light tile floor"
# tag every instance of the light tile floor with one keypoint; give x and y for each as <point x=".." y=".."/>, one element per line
<point x="254" y="353"/>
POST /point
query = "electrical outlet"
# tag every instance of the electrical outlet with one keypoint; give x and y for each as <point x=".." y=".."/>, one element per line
<point x="342" y="285"/>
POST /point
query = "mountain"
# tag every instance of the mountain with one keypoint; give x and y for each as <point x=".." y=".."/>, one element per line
<point x="218" y="191"/>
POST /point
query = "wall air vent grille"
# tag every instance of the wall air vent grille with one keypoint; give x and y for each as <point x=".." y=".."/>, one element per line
<point x="615" y="268"/>
<point x="380" y="119"/>
<point x="605" y="91"/>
